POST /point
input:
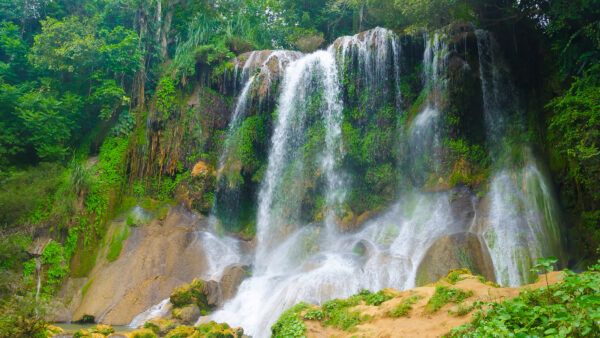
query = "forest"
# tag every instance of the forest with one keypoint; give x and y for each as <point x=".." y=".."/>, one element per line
<point x="111" y="105"/>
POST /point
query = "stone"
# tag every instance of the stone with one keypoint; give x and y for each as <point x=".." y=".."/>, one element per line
<point x="188" y="314"/>
<point x="154" y="260"/>
<point x="460" y="250"/>
<point x="233" y="276"/>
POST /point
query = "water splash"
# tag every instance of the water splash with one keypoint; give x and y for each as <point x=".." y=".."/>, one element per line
<point x="159" y="310"/>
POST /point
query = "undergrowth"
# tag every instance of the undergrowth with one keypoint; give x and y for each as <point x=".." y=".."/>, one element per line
<point x="444" y="295"/>
<point x="569" y="308"/>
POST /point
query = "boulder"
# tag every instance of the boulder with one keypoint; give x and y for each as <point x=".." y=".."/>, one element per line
<point x="188" y="314"/>
<point x="460" y="250"/>
<point x="231" y="280"/>
<point x="161" y="326"/>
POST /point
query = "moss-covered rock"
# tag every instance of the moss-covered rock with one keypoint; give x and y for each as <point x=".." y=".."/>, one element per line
<point x="52" y="330"/>
<point x="461" y="250"/>
<point x="187" y="314"/>
<point x="161" y="326"/>
<point x="204" y="294"/>
<point x="213" y="329"/>
<point x="183" y="331"/>
<point x="142" y="333"/>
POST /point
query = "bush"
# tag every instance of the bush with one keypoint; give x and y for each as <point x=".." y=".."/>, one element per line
<point x="289" y="324"/>
<point x="570" y="308"/>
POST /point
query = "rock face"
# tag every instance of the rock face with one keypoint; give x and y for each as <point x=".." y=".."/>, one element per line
<point x="461" y="250"/>
<point x="155" y="259"/>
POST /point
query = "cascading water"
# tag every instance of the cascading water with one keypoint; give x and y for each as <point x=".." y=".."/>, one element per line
<point x="523" y="221"/>
<point x="422" y="145"/>
<point x="283" y="188"/>
<point x="301" y="255"/>
<point x="256" y="74"/>
<point x="296" y="262"/>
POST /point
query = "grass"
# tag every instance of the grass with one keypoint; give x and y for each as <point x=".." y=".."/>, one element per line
<point x="444" y="295"/>
<point x="404" y="308"/>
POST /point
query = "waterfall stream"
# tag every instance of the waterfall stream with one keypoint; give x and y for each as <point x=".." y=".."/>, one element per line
<point x="299" y="258"/>
<point x="523" y="222"/>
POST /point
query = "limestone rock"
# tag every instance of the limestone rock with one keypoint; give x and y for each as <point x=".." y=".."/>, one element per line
<point x="187" y="314"/>
<point x="231" y="280"/>
<point x="461" y="250"/>
<point x="154" y="260"/>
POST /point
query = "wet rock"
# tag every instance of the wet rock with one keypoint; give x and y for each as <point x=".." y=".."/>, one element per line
<point x="461" y="204"/>
<point x="461" y="250"/>
<point x="60" y="314"/>
<point x="154" y="260"/>
<point x="214" y="295"/>
<point x="231" y="280"/>
<point x="38" y="246"/>
<point x="161" y="326"/>
<point x="188" y="314"/>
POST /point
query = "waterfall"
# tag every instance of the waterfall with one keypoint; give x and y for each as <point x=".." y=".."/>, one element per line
<point x="422" y="143"/>
<point x="296" y="261"/>
<point x="256" y="74"/>
<point x="523" y="221"/>
<point x="310" y="86"/>
<point x="301" y="253"/>
<point x="159" y="310"/>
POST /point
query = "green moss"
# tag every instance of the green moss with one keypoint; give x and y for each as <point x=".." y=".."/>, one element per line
<point x="116" y="243"/>
<point x="86" y="287"/>
<point x="193" y="293"/>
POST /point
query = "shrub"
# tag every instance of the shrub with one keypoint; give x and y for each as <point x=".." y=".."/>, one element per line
<point x="570" y="308"/>
<point x="314" y="314"/>
<point x="289" y="324"/>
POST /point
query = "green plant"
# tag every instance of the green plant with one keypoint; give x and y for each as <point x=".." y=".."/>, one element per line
<point x="404" y="308"/>
<point x="569" y="308"/>
<point x="444" y="295"/>
<point x="289" y="324"/>
<point x="54" y="258"/>
<point x="455" y="276"/>
<point x="314" y="314"/>
<point x="375" y="298"/>
<point x="545" y="266"/>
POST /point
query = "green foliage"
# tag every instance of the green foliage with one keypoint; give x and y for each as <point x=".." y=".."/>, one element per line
<point x="111" y="176"/>
<point x="570" y="308"/>
<point x="289" y="324"/>
<point x="56" y="267"/>
<point x="314" y="314"/>
<point x="375" y="298"/>
<point x="404" y="308"/>
<point x="444" y="295"/>
<point x="23" y="315"/>
<point x="574" y="131"/>
<point x="13" y="250"/>
<point x="165" y="98"/>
